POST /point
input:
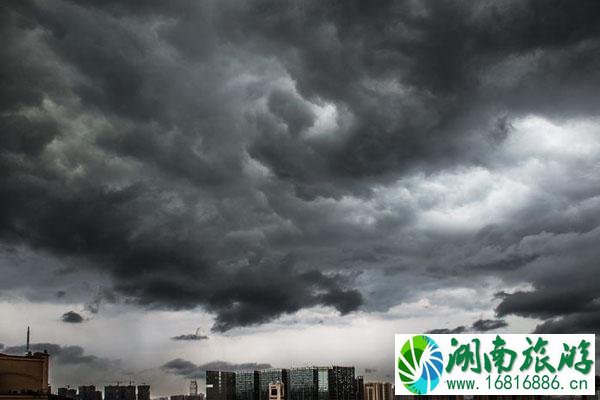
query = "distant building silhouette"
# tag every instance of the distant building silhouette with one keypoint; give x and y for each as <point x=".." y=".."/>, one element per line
<point x="89" y="393"/>
<point x="247" y="385"/>
<point x="308" y="383"/>
<point x="68" y="392"/>
<point x="143" y="392"/>
<point x="220" y="385"/>
<point x="341" y="383"/>
<point x="303" y="383"/>
<point x="379" y="391"/>
<point x="198" y="396"/>
<point x="118" y="392"/>
<point x="388" y="391"/>
<point x="273" y="375"/>
<point x="359" y="388"/>
<point x="322" y="383"/>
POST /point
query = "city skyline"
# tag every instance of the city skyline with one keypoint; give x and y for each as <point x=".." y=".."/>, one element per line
<point x="216" y="184"/>
<point x="26" y="377"/>
<point x="298" y="386"/>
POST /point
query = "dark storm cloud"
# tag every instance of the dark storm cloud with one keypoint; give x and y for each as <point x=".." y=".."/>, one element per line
<point x="542" y="303"/>
<point x="565" y="294"/>
<point x="108" y="222"/>
<point x="484" y="325"/>
<point x="443" y="55"/>
<point x="188" y="171"/>
<point x="257" y="294"/>
<point x="572" y="323"/>
<point x="72" y="317"/>
<point x="189" y="370"/>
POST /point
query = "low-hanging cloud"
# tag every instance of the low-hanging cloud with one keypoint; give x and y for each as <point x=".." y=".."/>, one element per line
<point x="66" y="355"/>
<point x="189" y="370"/>
<point x="191" y="336"/>
<point x="485" y="325"/>
<point x="72" y="365"/>
<point x="72" y="317"/>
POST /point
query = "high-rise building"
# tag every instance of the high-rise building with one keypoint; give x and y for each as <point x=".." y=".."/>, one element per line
<point x="68" y="392"/>
<point x="341" y="383"/>
<point x="303" y="383"/>
<point x="89" y="393"/>
<point x="359" y="388"/>
<point x="143" y="392"/>
<point x="197" y="396"/>
<point x="379" y="391"/>
<point x="373" y="391"/>
<point x="247" y="385"/>
<point x="272" y="375"/>
<point x="118" y="392"/>
<point x="276" y="391"/>
<point x="220" y="385"/>
<point x="388" y="391"/>
<point x="27" y="373"/>
<point x="322" y="383"/>
<point x="111" y="392"/>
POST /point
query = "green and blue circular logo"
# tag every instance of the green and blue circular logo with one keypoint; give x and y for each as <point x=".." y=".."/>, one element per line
<point x="420" y="364"/>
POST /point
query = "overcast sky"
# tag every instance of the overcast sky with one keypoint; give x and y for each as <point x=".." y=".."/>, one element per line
<point x="222" y="184"/>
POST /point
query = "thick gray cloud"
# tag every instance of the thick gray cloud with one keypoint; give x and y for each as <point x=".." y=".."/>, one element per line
<point x="258" y="158"/>
<point x="190" y="370"/>
<point x="484" y="325"/>
<point x="568" y="272"/>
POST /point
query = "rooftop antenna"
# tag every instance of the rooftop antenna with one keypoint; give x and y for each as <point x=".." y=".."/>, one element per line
<point x="28" y="336"/>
